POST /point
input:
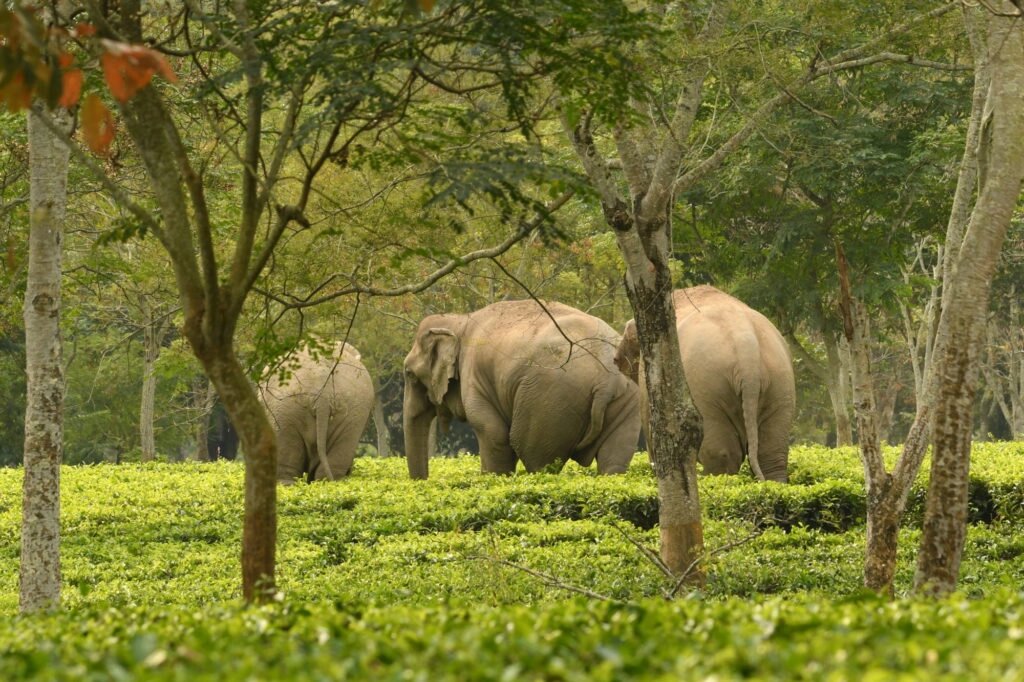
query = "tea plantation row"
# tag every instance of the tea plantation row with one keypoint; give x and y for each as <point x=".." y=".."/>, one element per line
<point x="469" y="576"/>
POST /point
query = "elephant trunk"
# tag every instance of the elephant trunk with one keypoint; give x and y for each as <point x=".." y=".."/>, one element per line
<point x="417" y="415"/>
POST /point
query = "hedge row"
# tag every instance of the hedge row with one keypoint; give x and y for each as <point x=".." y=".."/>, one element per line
<point x="170" y="533"/>
<point x="794" y="639"/>
<point x="826" y="492"/>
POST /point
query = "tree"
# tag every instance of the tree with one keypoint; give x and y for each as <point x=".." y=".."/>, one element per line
<point x="291" y="86"/>
<point x="40" y="580"/>
<point x="998" y="38"/>
<point x="658" y="149"/>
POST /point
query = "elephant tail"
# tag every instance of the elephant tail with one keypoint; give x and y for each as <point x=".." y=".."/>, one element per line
<point x="750" y="393"/>
<point x="323" y="420"/>
<point x="598" y="407"/>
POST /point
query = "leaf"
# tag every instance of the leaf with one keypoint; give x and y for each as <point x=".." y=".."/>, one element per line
<point x="71" y="88"/>
<point x="84" y="30"/>
<point x="426" y="5"/>
<point x="16" y="95"/>
<point x="129" y="68"/>
<point x="97" y="124"/>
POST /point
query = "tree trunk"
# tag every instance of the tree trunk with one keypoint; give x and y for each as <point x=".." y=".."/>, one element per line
<point x="150" y="353"/>
<point x="203" y="399"/>
<point x="675" y="428"/>
<point x="380" y="425"/>
<point x="883" y="513"/>
<point x="838" y="392"/>
<point x="40" y="580"/>
<point x="259" y="532"/>
<point x="962" y="324"/>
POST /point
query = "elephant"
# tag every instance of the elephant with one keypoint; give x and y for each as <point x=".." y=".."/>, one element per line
<point x="318" y="412"/>
<point x="529" y="393"/>
<point x="740" y="376"/>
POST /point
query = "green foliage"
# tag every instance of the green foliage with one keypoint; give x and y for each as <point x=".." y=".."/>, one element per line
<point x="389" y="578"/>
<point x="802" y="639"/>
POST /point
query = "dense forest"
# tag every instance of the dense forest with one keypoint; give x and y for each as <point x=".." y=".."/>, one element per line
<point x="204" y="200"/>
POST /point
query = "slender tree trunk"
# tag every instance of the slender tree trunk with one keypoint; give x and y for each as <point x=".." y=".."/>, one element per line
<point x="1000" y="173"/>
<point x="40" y="580"/>
<point x="675" y="426"/>
<point x="203" y="399"/>
<point x="150" y="353"/>
<point x="883" y="515"/>
<point x="838" y="392"/>
<point x="380" y="425"/>
<point x="259" y="531"/>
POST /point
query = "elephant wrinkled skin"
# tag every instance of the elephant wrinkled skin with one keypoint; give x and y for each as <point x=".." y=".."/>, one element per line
<point x="511" y="373"/>
<point x="318" y="412"/>
<point x="740" y="374"/>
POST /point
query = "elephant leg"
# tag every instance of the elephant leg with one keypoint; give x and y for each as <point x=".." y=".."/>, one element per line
<point x="341" y="452"/>
<point x="618" y="448"/>
<point x="291" y="455"/>
<point x="773" y="452"/>
<point x="496" y="454"/>
<point x="543" y="443"/>
<point x="721" y="451"/>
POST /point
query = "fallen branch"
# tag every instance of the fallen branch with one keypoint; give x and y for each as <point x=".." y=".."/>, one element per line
<point x="548" y="579"/>
<point x="756" y="533"/>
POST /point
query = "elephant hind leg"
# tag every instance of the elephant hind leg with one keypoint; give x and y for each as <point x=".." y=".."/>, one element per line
<point x="721" y="451"/>
<point x="544" y="438"/>
<point x="292" y="462"/>
<point x="621" y="437"/>
<point x="341" y="452"/>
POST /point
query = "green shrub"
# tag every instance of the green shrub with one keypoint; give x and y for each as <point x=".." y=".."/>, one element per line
<point x="576" y="639"/>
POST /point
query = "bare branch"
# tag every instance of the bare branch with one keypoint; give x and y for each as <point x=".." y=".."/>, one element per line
<point x="648" y="553"/>
<point x="524" y="230"/>
<point x="548" y="579"/>
<point x="681" y="580"/>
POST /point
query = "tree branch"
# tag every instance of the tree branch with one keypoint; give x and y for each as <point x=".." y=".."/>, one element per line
<point x="524" y="230"/>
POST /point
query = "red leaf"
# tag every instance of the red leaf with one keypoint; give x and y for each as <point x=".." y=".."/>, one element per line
<point x="426" y="5"/>
<point x="71" y="88"/>
<point x="129" y="68"/>
<point x="84" y="30"/>
<point x="97" y="124"/>
<point x="16" y="95"/>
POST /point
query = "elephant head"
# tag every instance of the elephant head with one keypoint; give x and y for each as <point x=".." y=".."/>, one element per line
<point x="627" y="356"/>
<point x="432" y="363"/>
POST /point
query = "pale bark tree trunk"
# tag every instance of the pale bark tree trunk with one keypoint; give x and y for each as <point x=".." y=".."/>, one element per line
<point x="1003" y="366"/>
<point x="203" y="400"/>
<point x="839" y="391"/>
<point x="152" y="333"/>
<point x="883" y="516"/>
<point x="920" y="334"/>
<point x="380" y="425"/>
<point x="831" y="373"/>
<point x="962" y="324"/>
<point x="40" y="580"/>
<point x="886" y="397"/>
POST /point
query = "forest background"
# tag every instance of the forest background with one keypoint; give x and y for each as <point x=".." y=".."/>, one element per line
<point x="868" y="158"/>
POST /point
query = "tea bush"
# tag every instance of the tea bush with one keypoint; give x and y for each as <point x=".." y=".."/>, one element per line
<point x="467" y="576"/>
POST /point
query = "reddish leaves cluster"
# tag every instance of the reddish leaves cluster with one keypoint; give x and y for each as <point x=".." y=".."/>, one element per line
<point x="35" y="65"/>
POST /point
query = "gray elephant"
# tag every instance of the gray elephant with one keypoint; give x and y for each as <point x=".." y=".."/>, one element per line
<point x="510" y="371"/>
<point x="318" y="411"/>
<point x="740" y="375"/>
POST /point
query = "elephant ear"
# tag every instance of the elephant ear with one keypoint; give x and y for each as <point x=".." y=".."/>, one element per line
<point x="627" y="356"/>
<point x="444" y="361"/>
